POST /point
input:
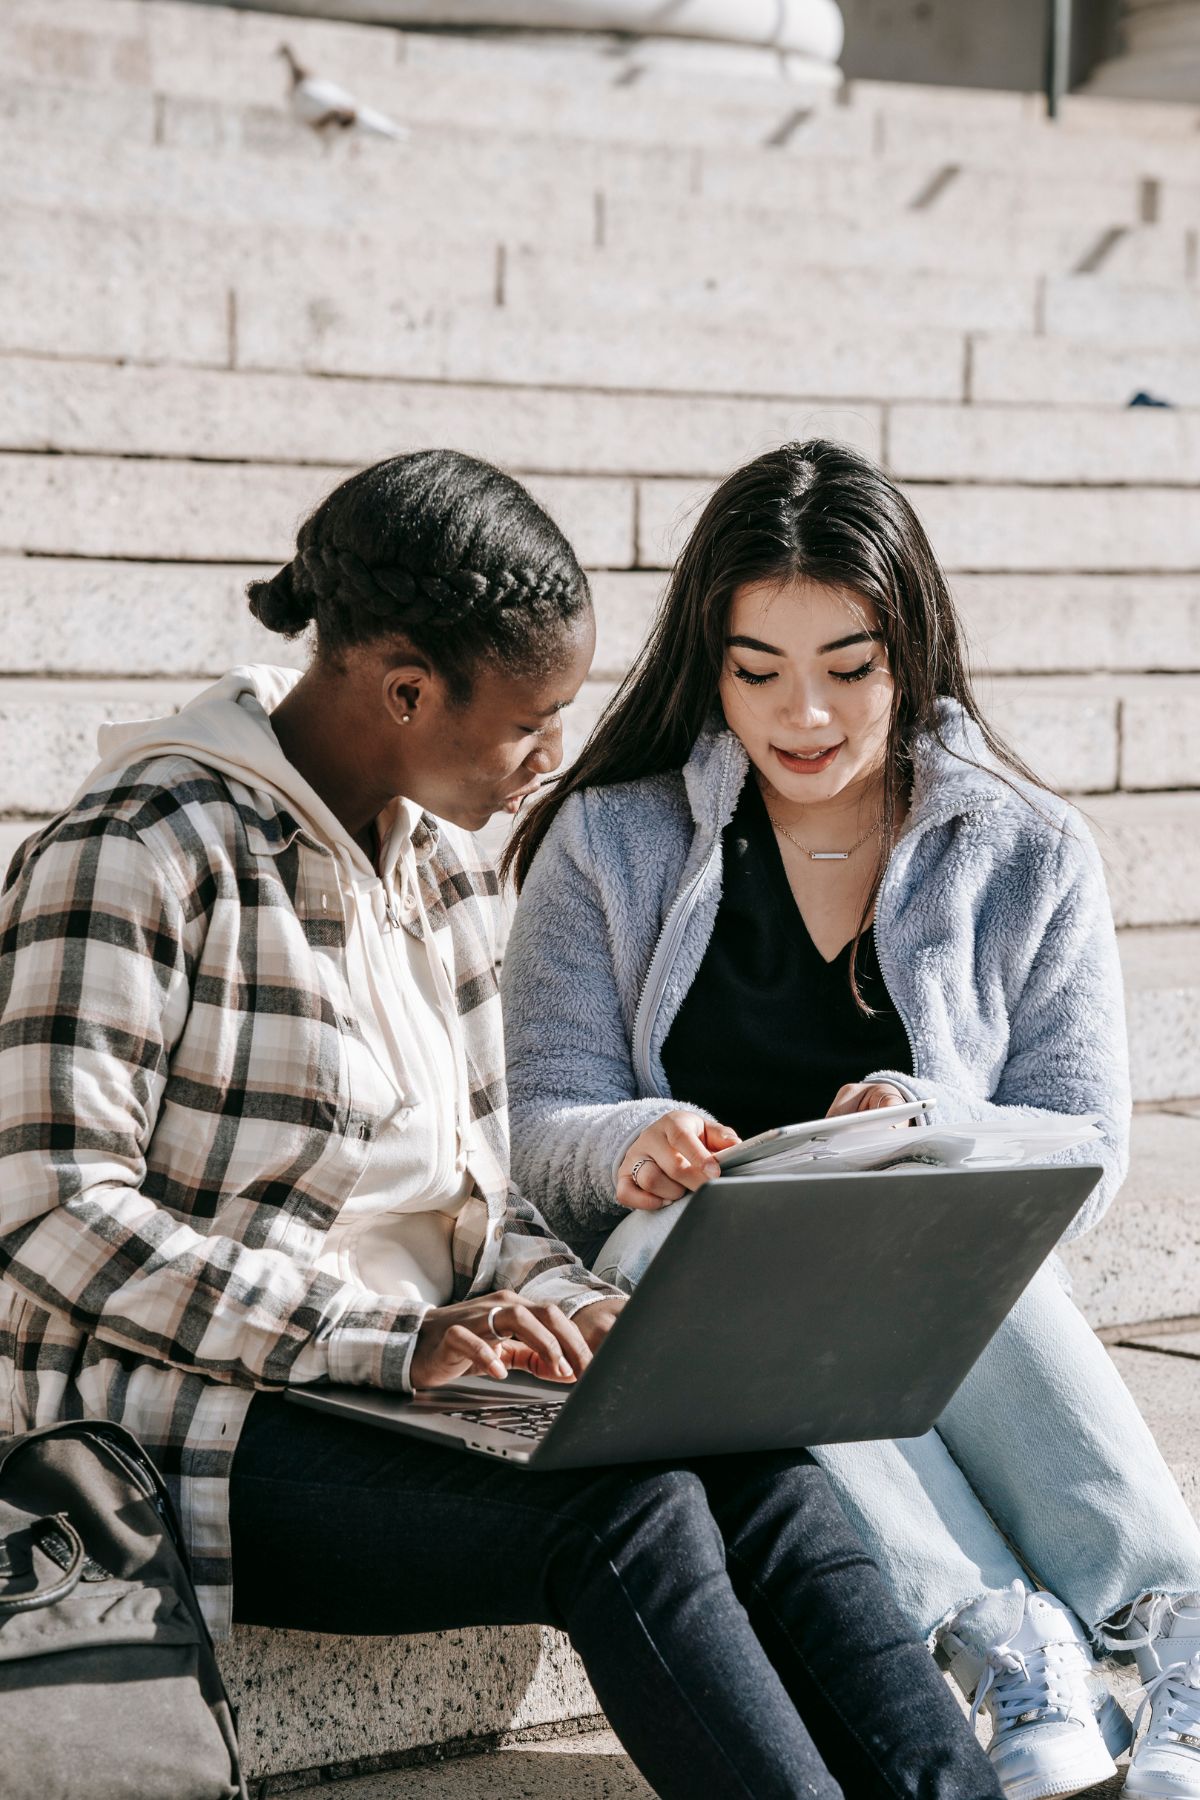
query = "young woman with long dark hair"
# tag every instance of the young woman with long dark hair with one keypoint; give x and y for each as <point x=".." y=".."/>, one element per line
<point x="795" y="872"/>
<point x="254" y="1138"/>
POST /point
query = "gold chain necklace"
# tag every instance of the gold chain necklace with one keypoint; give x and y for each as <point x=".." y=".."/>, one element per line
<point x="823" y="855"/>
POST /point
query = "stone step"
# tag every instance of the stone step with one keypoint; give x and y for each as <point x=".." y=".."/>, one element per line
<point x="165" y="47"/>
<point x="305" y="1701"/>
<point x="48" y="736"/>
<point x="1064" y="446"/>
<point x="1121" y="313"/>
<point x="1150" y="844"/>
<point x="264" y="142"/>
<point x="830" y="170"/>
<point x="380" y="183"/>
<point x="74" y="616"/>
<point x="1051" y="372"/>
<point x="183" y="314"/>
<point x="914" y="213"/>
<point x="191" y="619"/>
<point x="1162" y="1001"/>
<point x="420" y="77"/>
<point x="459" y="262"/>
<point x="182" y="317"/>
<point x="700" y="266"/>
<point x="994" y="527"/>
<point x="1114" y="150"/>
<point x="1155" y="254"/>
<point x="222" y="512"/>
<point x="191" y="187"/>
<point x="1020" y="528"/>
<point x="121" y="506"/>
<point x="202" y="313"/>
<point x="1092" y="733"/>
<point x="739" y="290"/>
<point x="883" y="196"/>
<point x="589" y="1765"/>
<point x="1165" y="1388"/>
<point x="266" y="133"/>
<point x="1061" y="623"/>
<point x="1070" y="730"/>
<point x="585" y="1765"/>
<point x="1095" y="307"/>
<point x="912" y="272"/>
<point x="52" y="403"/>
<point x="869" y="126"/>
<point x="1150" y="841"/>
<point x="1087" y="734"/>
<point x="349" y="335"/>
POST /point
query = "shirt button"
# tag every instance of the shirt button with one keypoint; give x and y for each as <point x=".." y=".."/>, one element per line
<point x="364" y="1129"/>
<point x="498" y="1233"/>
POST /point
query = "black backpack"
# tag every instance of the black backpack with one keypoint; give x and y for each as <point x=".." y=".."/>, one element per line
<point x="108" y="1683"/>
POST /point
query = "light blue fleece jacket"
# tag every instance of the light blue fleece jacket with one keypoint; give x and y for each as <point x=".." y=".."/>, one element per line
<point x="994" y="934"/>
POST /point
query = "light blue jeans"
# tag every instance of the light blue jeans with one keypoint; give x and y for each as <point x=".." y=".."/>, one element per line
<point x="1041" y="1466"/>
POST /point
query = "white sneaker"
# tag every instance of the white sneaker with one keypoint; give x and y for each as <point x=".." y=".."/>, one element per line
<point x="966" y="1667"/>
<point x="1166" y="1763"/>
<point x="1039" y="1689"/>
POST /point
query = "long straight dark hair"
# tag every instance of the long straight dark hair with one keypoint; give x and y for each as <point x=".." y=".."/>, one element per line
<point x="815" y="510"/>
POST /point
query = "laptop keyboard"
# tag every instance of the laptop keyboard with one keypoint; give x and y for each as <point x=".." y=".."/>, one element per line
<point x="530" y="1419"/>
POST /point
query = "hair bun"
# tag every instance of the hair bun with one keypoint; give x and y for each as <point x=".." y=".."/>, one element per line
<point x="277" y="605"/>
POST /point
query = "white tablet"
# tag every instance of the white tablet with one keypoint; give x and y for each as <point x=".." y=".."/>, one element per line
<point x="784" y="1138"/>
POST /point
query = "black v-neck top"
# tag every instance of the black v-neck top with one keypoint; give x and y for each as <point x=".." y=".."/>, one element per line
<point x="769" y="1030"/>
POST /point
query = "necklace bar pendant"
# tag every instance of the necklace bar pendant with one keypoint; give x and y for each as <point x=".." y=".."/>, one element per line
<point x="829" y="856"/>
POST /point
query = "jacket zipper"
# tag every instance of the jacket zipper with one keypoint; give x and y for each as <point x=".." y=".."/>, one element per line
<point x="888" y="984"/>
<point x="928" y="825"/>
<point x="667" y="948"/>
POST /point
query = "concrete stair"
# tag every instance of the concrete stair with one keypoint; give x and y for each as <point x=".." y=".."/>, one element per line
<point x="618" y="276"/>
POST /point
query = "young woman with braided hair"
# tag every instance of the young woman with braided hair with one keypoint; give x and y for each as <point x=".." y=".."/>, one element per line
<point x="255" y="1138"/>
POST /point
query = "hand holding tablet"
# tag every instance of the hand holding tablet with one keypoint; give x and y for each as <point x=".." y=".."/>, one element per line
<point x="809" y="1138"/>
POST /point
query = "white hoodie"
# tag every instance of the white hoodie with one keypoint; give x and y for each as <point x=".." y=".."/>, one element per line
<point x="406" y="1059"/>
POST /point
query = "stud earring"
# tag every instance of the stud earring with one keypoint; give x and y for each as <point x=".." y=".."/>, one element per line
<point x="405" y="717"/>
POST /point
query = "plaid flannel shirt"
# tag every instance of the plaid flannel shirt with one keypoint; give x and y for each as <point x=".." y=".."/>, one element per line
<point x="177" y="1129"/>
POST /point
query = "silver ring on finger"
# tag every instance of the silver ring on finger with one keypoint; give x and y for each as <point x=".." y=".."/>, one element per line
<point x="633" y="1173"/>
<point x="489" y="1329"/>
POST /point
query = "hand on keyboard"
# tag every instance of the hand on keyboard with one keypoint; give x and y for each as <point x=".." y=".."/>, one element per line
<point x="538" y="1338"/>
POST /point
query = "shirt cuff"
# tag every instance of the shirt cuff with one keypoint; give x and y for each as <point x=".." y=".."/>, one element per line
<point x="576" y="1306"/>
<point x="912" y="1090"/>
<point x="655" y="1110"/>
<point x="373" y="1346"/>
<point x="570" y="1293"/>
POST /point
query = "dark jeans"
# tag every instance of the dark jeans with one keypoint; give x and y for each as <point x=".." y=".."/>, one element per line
<point x="737" y="1636"/>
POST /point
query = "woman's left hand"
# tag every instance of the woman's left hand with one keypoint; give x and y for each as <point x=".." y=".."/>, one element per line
<point x="866" y="1096"/>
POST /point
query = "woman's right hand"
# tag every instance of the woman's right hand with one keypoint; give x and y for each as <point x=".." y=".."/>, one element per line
<point x="676" y="1157"/>
<point x="537" y="1339"/>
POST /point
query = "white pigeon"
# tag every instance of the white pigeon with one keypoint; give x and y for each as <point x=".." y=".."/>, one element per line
<point x="326" y="107"/>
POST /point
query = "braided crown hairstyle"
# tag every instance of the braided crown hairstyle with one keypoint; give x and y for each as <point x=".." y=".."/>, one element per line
<point x="439" y="549"/>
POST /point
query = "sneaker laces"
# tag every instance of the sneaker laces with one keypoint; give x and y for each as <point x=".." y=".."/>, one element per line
<point x="1153" y="1611"/>
<point x="1178" y="1721"/>
<point x="1048" y="1685"/>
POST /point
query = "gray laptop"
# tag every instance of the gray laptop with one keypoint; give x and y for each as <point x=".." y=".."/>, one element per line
<point x="781" y="1311"/>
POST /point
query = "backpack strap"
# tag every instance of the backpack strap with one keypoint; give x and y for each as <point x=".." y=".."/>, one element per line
<point x="66" y="1583"/>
